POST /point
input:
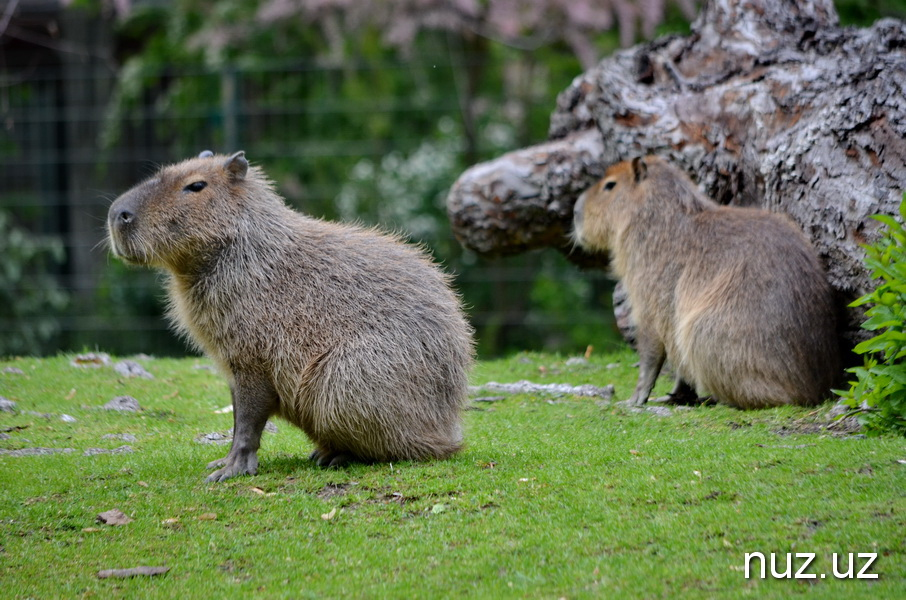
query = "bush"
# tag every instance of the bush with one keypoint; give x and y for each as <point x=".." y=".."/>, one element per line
<point x="879" y="393"/>
<point x="31" y="299"/>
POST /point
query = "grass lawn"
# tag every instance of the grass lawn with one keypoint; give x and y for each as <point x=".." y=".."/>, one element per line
<point x="554" y="497"/>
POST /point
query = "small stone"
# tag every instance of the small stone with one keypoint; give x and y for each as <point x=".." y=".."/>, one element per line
<point x="120" y="450"/>
<point x="92" y="360"/>
<point x="126" y="437"/>
<point x="130" y="368"/>
<point x="124" y="404"/>
<point x="576" y="361"/>
<point x="7" y="405"/>
<point x="839" y="410"/>
<point x="14" y="371"/>
<point x="527" y="387"/>
<point x="213" y="438"/>
<point x="132" y="572"/>
<point x="661" y="411"/>
<point x="36" y="451"/>
<point x="67" y="418"/>
<point x="114" y="517"/>
<point x="489" y="399"/>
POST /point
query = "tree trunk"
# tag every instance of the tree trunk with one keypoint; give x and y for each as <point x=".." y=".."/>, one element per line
<point x="767" y="103"/>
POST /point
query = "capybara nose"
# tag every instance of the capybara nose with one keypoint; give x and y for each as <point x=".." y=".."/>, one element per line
<point x="124" y="217"/>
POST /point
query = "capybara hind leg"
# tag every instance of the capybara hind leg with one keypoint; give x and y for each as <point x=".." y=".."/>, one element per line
<point x="253" y="403"/>
<point x="651" y="359"/>
<point x="330" y="459"/>
<point x="682" y="394"/>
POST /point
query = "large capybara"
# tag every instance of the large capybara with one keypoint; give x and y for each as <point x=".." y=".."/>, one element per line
<point x="734" y="298"/>
<point x="348" y="333"/>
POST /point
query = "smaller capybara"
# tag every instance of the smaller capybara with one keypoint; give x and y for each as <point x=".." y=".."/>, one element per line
<point x="348" y="333"/>
<point x="734" y="298"/>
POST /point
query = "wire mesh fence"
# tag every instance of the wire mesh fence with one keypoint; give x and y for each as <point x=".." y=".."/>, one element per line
<point x="377" y="143"/>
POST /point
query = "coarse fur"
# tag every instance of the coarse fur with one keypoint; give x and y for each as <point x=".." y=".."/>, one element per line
<point x="348" y="333"/>
<point x="734" y="298"/>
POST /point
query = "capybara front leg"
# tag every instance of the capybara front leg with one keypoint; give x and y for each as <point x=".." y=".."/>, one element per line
<point x="651" y="359"/>
<point x="253" y="402"/>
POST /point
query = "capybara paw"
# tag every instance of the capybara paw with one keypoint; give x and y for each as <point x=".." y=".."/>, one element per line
<point x="236" y="466"/>
<point x="637" y="400"/>
<point x="683" y="400"/>
<point x="216" y="463"/>
<point x="330" y="460"/>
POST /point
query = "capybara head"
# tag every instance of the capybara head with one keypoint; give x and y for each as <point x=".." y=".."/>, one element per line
<point x="603" y="209"/>
<point x="182" y="213"/>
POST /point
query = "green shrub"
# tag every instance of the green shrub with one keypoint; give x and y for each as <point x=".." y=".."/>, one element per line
<point x="31" y="299"/>
<point x="879" y="392"/>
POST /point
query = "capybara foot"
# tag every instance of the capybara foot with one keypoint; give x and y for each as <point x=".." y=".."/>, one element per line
<point x="683" y="395"/>
<point x="637" y="400"/>
<point x="330" y="460"/>
<point x="685" y="400"/>
<point x="244" y="464"/>
<point x="214" y="464"/>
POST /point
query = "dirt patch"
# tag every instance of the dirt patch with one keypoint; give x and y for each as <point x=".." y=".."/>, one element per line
<point x="837" y="428"/>
<point x="335" y="490"/>
<point x="395" y="498"/>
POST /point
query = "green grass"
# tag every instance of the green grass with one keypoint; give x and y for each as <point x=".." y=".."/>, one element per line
<point x="554" y="497"/>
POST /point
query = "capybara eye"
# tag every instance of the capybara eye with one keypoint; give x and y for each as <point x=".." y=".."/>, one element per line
<point x="196" y="186"/>
<point x="610" y="185"/>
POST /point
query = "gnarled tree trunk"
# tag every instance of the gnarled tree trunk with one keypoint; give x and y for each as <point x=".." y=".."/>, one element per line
<point x="767" y="103"/>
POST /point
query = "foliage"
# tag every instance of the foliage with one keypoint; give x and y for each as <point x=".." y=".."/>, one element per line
<point x="879" y="391"/>
<point x="353" y="126"/>
<point x="520" y="23"/>
<point x="30" y="295"/>
<point x="407" y="191"/>
<point x="865" y="12"/>
<point x="554" y="496"/>
<point x="368" y="111"/>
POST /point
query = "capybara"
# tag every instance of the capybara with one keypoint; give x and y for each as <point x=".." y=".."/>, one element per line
<point x="346" y="332"/>
<point x="734" y="298"/>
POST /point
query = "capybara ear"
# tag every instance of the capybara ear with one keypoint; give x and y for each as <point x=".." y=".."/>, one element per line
<point x="206" y="154"/>
<point x="639" y="169"/>
<point x="237" y="165"/>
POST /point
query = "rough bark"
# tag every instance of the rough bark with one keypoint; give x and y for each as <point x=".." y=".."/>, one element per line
<point x="767" y="103"/>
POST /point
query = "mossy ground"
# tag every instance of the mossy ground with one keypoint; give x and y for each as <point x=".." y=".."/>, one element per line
<point x="554" y="497"/>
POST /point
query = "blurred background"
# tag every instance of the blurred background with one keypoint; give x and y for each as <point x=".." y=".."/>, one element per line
<point x="360" y="111"/>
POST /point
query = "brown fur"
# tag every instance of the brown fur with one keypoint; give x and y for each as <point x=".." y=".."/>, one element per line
<point x="349" y="334"/>
<point x="735" y="298"/>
